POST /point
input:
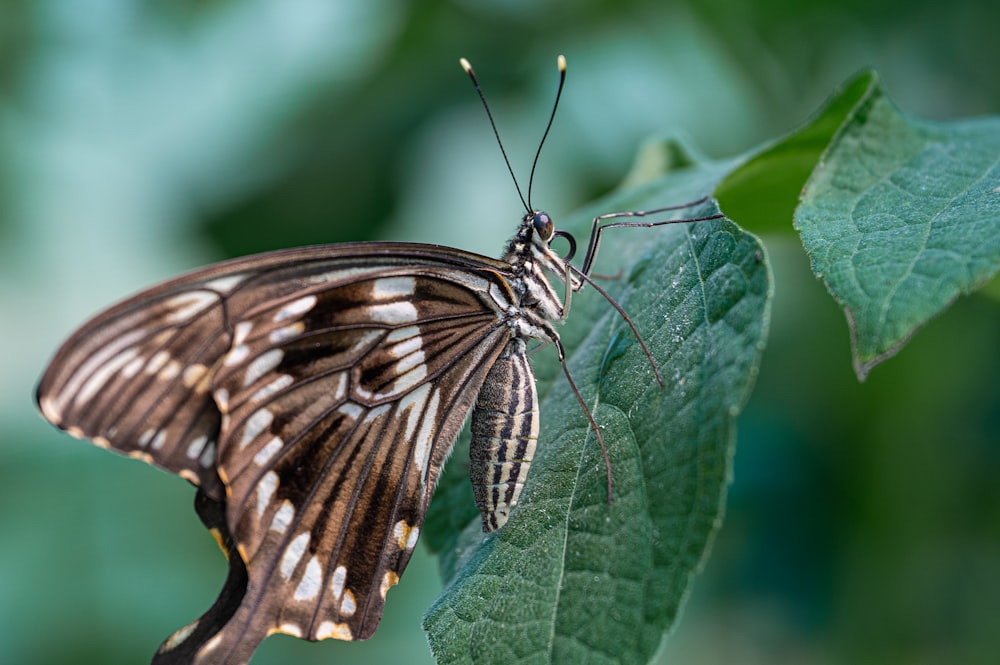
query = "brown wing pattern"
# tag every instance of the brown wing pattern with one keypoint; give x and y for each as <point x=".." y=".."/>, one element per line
<point x="332" y="381"/>
<point x="332" y="440"/>
<point x="136" y="379"/>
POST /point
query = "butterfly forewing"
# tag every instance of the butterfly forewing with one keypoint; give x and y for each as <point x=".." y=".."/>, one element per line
<point x="136" y="377"/>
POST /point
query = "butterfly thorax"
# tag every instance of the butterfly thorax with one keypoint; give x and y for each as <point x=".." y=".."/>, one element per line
<point x="532" y="261"/>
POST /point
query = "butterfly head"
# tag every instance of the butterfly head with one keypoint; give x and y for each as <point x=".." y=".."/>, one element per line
<point x="544" y="231"/>
<point x="542" y="225"/>
<point x="532" y="238"/>
<point x="530" y="250"/>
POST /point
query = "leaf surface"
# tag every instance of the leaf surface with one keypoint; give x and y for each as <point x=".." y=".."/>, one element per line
<point x="899" y="218"/>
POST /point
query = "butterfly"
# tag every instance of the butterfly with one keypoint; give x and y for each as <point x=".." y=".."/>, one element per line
<point x="312" y="396"/>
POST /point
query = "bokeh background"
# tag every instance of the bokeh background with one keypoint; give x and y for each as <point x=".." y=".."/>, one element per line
<point x="138" y="139"/>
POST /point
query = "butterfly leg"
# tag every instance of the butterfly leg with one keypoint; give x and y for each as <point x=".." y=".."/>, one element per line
<point x="599" y="227"/>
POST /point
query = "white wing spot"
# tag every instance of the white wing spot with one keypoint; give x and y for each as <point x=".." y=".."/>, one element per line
<point x="405" y="535"/>
<point x="196" y="446"/>
<point x="340" y="392"/>
<point x="351" y="410"/>
<point x="390" y="288"/>
<point x="393" y="313"/>
<point x="93" y="364"/>
<point x="337" y="582"/>
<point x="414" y="403"/>
<point x="103" y="373"/>
<point x="211" y="645"/>
<point x="283" y="517"/>
<point x="411" y="378"/>
<point x="222" y="399"/>
<point x="376" y="413"/>
<point x="261" y="365"/>
<point x="208" y="455"/>
<point x="265" y="490"/>
<point x="347" y="605"/>
<point x="281" y="335"/>
<point x="193" y="374"/>
<point x="265" y="454"/>
<point x="338" y="631"/>
<point x="399" y="334"/>
<point x="238" y="354"/>
<point x="290" y="629"/>
<point x="146" y="437"/>
<point x="312" y="580"/>
<point x="157" y="362"/>
<point x="224" y="284"/>
<point x="179" y="636"/>
<point x="408" y="346"/>
<point x="255" y="426"/>
<point x="280" y="383"/>
<point x="414" y="359"/>
<point x="187" y="305"/>
<point x="390" y="579"/>
<point x="293" y="553"/>
<point x="133" y="366"/>
<point x="241" y="332"/>
<point x="159" y="440"/>
<point x="295" y="309"/>
<point x="171" y="371"/>
<point x="422" y="449"/>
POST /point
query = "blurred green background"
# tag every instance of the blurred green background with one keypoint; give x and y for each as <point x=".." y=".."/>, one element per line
<point x="138" y="139"/>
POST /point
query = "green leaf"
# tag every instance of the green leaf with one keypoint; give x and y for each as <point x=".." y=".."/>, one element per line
<point x="571" y="578"/>
<point x="900" y="217"/>
<point x="763" y="191"/>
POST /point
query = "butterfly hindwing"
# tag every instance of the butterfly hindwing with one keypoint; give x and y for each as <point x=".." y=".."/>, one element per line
<point x="331" y="455"/>
<point x="183" y="645"/>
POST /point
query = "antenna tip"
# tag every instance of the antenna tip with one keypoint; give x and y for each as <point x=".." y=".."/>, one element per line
<point x="465" y="65"/>
<point x="562" y="64"/>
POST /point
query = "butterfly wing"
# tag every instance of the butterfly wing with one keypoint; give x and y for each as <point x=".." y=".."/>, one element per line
<point x="330" y="478"/>
<point x="183" y="645"/>
<point x="135" y="378"/>
<point x="334" y="381"/>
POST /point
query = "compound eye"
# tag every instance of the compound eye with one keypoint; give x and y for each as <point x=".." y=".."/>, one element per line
<point x="543" y="225"/>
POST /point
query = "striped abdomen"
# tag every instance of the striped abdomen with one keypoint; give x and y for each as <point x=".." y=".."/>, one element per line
<point x="504" y="432"/>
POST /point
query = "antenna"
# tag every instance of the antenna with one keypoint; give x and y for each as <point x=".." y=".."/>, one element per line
<point x="475" y="82"/>
<point x="561" y="60"/>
